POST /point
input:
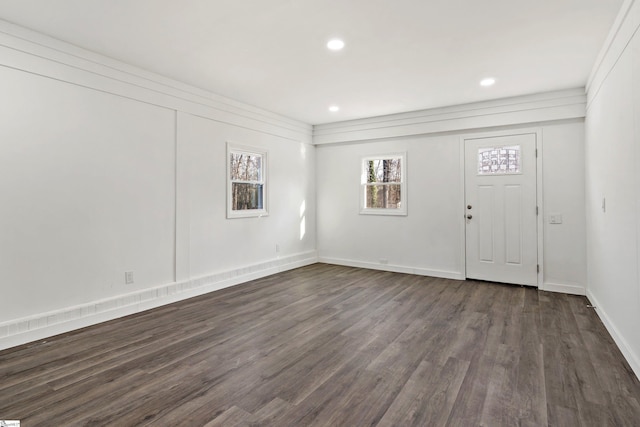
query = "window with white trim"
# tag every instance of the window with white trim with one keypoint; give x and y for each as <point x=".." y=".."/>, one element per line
<point x="383" y="185"/>
<point x="246" y="182"/>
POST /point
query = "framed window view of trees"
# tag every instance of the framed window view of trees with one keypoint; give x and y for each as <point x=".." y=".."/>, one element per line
<point x="383" y="185"/>
<point x="246" y="182"/>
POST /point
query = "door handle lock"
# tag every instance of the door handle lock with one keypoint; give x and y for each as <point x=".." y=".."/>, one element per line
<point x="469" y="216"/>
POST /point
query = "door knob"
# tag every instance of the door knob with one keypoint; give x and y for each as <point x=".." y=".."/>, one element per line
<point x="468" y="206"/>
<point x="469" y="216"/>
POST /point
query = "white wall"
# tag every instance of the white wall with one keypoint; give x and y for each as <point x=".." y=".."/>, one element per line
<point x="612" y="173"/>
<point x="564" y="264"/>
<point x="430" y="239"/>
<point x="88" y="187"/>
<point x="426" y="241"/>
<point x="106" y="169"/>
<point x="216" y="244"/>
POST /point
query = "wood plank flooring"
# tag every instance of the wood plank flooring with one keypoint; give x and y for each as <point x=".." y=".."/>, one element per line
<point x="332" y="346"/>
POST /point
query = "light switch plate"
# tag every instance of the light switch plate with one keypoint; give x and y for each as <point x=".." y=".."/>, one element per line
<point x="555" y="219"/>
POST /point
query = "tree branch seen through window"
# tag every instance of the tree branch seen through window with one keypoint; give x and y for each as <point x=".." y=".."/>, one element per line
<point x="383" y="186"/>
<point x="247" y="183"/>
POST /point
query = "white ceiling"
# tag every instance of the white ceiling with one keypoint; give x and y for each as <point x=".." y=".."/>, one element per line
<point x="400" y="55"/>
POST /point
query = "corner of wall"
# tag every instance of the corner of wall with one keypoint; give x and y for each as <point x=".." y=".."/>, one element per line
<point x="627" y="351"/>
<point x="623" y="29"/>
<point x="613" y="128"/>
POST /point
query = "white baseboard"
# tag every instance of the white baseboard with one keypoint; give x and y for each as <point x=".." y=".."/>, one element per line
<point x="563" y="288"/>
<point x="394" y="268"/>
<point x="41" y="326"/>
<point x="623" y="345"/>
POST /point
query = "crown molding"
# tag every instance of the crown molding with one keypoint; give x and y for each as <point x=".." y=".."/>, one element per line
<point x="622" y="32"/>
<point x="28" y="51"/>
<point x="537" y="108"/>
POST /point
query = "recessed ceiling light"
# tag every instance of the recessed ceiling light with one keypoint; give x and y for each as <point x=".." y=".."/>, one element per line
<point x="490" y="81"/>
<point x="334" y="108"/>
<point x="335" y="44"/>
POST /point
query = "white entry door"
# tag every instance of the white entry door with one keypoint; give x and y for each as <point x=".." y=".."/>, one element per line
<point x="500" y="209"/>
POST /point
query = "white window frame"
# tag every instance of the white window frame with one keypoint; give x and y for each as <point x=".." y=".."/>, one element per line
<point x="247" y="213"/>
<point x="402" y="210"/>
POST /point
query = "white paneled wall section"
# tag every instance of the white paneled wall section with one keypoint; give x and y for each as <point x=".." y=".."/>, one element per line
<point x="107" y="169"/>
<point x="613" y="184"/>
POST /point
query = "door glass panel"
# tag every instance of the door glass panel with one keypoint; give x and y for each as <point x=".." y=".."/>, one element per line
<point x="499" y="160"/>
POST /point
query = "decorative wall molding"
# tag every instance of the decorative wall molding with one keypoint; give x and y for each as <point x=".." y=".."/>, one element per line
<point x="632" y="358"/>
<point x="32" y="52"/>
<point x="624" y="28"/>
<point x="41" y="326"/>
<point x="522" y="110"/>
<point x="393" y="268"/>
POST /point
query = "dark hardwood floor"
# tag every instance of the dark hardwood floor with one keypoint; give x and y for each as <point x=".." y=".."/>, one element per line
<point x="332" y="346"/>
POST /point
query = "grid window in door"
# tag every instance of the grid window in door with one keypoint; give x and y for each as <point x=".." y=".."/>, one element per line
<point x="499" y="160"/>
<point x="383" y="185"/>
<point x="246" y="182"/>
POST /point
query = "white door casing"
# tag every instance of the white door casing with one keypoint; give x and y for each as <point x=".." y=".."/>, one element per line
<point x="500" y="209"/>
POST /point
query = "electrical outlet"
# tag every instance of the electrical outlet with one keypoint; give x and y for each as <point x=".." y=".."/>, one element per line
<point x="277" y="247"/>
<point x="128" y="277"/>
